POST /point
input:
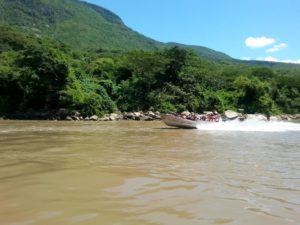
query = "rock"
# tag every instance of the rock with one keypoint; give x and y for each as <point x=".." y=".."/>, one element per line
<point x="137" y="114"/>
<point x="137" y="118"/>
<point x="69" y="118"/>
<point x="275" y="118"/>
<point x="127" y="116"/>
<point x="105" y="118"/>
<point x="94" y="118"/>
<point x="75" y="113"/>
<point x="257" y="117"/>
<point x="231" y="115"/>
<point x="294" y="117"/>
<point x="75" y="118"/>
<point x="242" y="117"/>
<point x="185" y="113"/>
<point x="120" y="116"/>
<point x="113" y="117"/>
<point x="157" y="117"/>
<point x="284" y="117"/>
<point x="148" y="118"/>
<point x="208" y="112"/>
<point x="150" y="114"/>
<point x="87" y="118"/>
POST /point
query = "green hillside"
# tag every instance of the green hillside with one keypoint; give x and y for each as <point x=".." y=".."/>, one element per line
<point x="206" y="53"/>
<point x="221" y="57"/>
<point x="76" y="23"/>
<point x="41" y="74"/>
<point x="86" y="26"/>
<point x="68" y="54"/>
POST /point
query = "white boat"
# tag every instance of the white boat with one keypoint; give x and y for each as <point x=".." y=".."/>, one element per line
<point x="181" y="122"/>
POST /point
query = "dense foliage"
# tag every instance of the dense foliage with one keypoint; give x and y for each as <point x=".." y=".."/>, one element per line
<point x="38" y="74"/>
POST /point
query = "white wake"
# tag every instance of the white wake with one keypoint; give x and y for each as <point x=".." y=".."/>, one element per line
<point x="251" y="125"/>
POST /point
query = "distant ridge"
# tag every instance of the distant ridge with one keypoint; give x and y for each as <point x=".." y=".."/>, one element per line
<point x="87" y="26"/>
<point x="205" y="52"/>
<point x="217" y="56"/>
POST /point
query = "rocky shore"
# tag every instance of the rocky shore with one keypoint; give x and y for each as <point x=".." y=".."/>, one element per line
<point x="231" y="115"/>
<point x="64" y="114"/>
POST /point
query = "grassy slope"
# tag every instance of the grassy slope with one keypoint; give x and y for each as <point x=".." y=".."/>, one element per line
<point x="73" y="22"/>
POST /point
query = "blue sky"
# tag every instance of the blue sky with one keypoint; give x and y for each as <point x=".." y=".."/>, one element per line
<point x="243" y="29"/>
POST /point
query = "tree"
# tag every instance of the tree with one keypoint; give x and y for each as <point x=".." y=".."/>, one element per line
<point x="43" y="75"/>
<point x="177" y="59"/>
<point x="254" y="95"/>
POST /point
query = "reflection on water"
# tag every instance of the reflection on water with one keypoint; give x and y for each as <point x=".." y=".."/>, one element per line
<point x="127" y="173"/>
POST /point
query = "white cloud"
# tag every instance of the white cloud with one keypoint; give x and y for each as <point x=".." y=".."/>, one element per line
<point x="291" y="61"/>
<point x="273" y="59"/>
<point x="276" y="48"/>
<point x="259" y="42"/>
<point x="268" y="59"/>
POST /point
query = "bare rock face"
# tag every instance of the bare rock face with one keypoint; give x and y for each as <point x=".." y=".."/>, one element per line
<point x="150" y="114"/>
<point x="128" y="115"/>
<point x="94" y="118"/>
<point x="137" y="114"/>
<point x="257" y="117"/>
<point x="275" y="118"/>
<point x="69" y="118"/>
<point x="289" y="117"/>
<point x="113" y="117"/>
<point x="231" y="115"/>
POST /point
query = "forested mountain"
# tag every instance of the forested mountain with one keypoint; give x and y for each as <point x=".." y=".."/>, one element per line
<point x="221" y="57"/>
<point x="73" y="55"/>
<point x="73" y="22"/>
<point x="86" y="26"/>
<point x="205" y="52"/>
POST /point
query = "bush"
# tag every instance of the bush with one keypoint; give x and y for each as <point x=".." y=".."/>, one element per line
<point x="88" y="96"/>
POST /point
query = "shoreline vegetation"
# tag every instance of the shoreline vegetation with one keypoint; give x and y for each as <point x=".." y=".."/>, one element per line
<point x="44" y="79"/>
<point x="66" y="115"/>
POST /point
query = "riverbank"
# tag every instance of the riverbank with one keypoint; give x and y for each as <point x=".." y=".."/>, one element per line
<point x="67" y="115"/>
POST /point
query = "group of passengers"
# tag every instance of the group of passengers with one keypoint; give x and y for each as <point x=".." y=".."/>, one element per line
<point x="204" y="117"/>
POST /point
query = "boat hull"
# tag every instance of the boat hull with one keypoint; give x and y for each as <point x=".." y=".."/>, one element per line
<point x="175" y="121"/>
<point x="179" y="122"/>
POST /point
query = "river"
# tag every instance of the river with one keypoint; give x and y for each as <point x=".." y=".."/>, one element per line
<point x="144" y="173"/>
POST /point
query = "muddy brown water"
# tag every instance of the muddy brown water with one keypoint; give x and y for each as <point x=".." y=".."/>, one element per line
<point x="130" y="173"/>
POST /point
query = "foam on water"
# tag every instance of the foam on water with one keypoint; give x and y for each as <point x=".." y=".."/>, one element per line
<point x="251" y="125"/>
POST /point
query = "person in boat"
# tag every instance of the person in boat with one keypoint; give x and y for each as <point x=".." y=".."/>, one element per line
<point x="191" y="117"/>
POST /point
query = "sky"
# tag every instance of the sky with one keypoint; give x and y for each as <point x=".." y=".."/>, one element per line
<point x="244" y="29"/>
